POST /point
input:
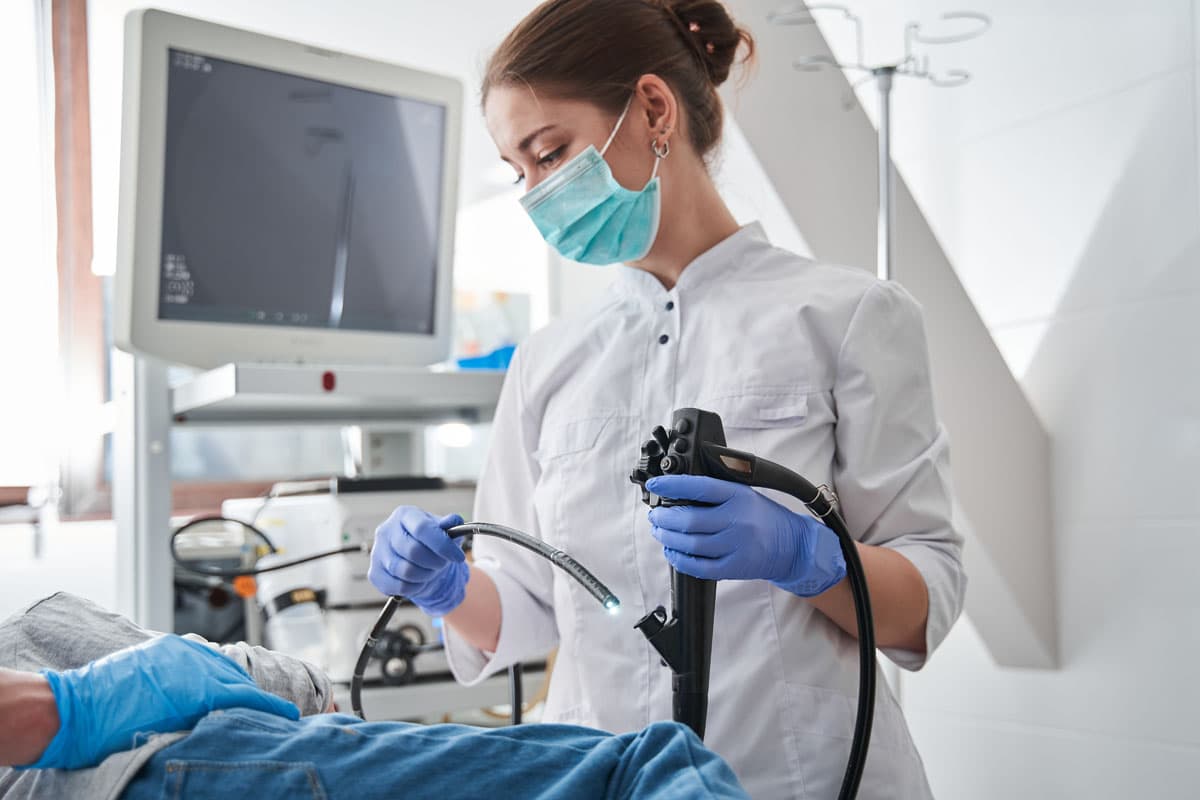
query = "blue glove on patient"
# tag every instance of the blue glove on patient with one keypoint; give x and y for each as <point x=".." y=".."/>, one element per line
<point x="744" y="535"/>
<point x="163" y="685"/>
<point x="414" y="558"/>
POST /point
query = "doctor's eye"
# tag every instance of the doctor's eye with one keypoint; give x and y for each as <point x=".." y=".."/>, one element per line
<point x="551" y="157"/>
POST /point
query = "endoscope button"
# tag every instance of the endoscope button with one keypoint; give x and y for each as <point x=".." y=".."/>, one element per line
<point x="683" y="427"/>
<point x="679" y="445"/>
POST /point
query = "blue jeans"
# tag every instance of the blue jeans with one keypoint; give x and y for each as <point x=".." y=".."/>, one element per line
<point x="242" y="753"/>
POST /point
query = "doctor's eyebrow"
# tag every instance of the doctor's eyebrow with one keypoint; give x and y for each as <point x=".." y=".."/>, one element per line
<point x="528" y="140"/>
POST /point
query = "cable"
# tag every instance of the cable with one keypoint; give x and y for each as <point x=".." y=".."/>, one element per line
<point x="539" y="696"/>
<point x="249" y="571"/>
<point x="515" y="691"/>
<point x="557" y="557"/>
<point x="769" y="475"/>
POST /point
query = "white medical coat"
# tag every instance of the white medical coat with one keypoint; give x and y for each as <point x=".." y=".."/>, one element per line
<point x="823" y="369"/>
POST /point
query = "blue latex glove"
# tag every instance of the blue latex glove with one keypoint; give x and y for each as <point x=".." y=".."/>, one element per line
<point x="745" y="535"/>
<point x="164" y="685"/>
<point x="414" y="558"/>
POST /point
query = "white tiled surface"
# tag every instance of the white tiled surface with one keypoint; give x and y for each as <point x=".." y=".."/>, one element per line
<point x="1120" y="393"/>
<point x="1064" y="185"/>
<point x="1088" y="208"/>
<point x="1128" y="644"/>
<point x="1010" y="761"/>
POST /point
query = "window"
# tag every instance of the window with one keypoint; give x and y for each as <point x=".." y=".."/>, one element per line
<point x="30" y="401"/>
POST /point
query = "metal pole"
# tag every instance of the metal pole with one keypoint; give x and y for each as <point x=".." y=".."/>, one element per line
<point x="142" y="491"/>
<point x="884" y="237"/>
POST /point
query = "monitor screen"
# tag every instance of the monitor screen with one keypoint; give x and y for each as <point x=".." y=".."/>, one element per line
<point x="289" y="201"/>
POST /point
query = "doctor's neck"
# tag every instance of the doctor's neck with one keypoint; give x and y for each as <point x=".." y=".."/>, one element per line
<point x="694" y="219"/>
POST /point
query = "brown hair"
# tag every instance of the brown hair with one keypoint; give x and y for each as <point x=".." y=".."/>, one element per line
<point x="597" y="50"/>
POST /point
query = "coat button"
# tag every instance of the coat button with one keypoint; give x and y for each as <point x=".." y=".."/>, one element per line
<point x="670" y="305"/>
<point x="664" y="339"/>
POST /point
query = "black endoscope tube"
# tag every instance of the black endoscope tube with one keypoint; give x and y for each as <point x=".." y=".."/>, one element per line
<point x="557" y="557"/>
<point x="769" y="475"/>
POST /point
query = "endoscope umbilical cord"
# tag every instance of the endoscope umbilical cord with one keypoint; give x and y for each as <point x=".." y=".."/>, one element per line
<point x="554" y="556"/>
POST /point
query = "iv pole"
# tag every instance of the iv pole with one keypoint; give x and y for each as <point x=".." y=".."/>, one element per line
<point x="912" y="65"/>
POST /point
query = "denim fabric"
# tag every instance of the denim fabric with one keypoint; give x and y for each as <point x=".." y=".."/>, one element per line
<point x="64" y="632"/>
<point x="245" y="753"/>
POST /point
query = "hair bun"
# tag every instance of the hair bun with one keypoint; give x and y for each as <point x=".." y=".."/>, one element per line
<point x="711" y="32"/>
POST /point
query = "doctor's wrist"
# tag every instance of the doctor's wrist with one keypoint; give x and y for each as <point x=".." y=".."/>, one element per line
<point x="818" y="563"/>
<point x="447" y="593"/>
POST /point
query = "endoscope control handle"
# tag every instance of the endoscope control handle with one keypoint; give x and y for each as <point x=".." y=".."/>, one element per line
<point x="661" y="634"/>
<point x="685" y="640"/>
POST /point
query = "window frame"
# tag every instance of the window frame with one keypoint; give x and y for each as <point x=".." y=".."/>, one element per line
<point x="84" y="358"/>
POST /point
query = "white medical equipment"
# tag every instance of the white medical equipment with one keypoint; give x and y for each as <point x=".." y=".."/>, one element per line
<point x="282" y="203"/>
<point x="286" y="216"/>
<point x="322" y="610"/>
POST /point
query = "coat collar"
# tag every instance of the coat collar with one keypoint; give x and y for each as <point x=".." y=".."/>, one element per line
<point x="721" y="260"/>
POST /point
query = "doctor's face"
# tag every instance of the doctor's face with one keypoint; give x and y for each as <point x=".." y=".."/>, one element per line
<point x="538" y="133"/>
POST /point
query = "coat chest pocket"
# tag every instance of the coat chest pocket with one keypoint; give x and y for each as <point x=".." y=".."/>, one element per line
<point x="778" y="422"/>
<point x="580" y="485"/>
<point x="574" y="435"/>
<point x="760" y="408"/>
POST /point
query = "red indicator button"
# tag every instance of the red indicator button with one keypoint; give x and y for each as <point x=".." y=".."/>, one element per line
<point x="329" y="381"/>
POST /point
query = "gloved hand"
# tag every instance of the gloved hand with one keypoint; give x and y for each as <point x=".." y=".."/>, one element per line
<point x="745" y="535"/>
<point x="163" y="685"/>
<point x="414" y="558"/>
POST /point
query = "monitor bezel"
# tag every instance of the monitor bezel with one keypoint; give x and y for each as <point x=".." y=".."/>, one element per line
<point x="149" y="35"/>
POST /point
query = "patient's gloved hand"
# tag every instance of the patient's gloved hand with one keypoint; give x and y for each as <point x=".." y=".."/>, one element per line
<point x="163" y="685"/>
<point x="414" y="558"/>
<point x="744" y="535"/>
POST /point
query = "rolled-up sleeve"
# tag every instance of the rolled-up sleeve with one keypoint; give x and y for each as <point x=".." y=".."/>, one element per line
<point x="280" y="674"/>
<point x="523" y="580"/>
<point x="892" y="471"/>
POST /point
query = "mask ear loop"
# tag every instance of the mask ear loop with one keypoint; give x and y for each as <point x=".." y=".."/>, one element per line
<point x="617" y="127"/>
<point x="660" y="151"/>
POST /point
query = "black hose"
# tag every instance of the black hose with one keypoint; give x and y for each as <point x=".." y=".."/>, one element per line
<point x="516" y="691"/>
<point x="240" y="573"/>
<point x="769" y="475"/>
<point x="557" y="557"/>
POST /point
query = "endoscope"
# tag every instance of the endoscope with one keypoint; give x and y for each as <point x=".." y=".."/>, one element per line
<point x="695" y="445"/>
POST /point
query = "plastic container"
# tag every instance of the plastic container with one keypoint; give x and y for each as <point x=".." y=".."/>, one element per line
<point x="295" y="621"/>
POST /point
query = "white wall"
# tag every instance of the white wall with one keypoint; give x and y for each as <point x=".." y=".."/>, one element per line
<point x="1063" y="184"/>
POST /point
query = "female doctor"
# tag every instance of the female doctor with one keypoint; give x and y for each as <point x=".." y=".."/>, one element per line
<point x="608" y="112"/>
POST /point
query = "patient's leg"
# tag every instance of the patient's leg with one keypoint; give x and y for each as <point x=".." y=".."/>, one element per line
<point x="240" y="753"/>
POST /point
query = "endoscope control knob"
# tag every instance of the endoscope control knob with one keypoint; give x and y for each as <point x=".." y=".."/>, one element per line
<point x="675" y="451"/>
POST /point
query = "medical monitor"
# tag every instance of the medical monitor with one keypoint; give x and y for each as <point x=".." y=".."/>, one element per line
<point x="281" y="202"/>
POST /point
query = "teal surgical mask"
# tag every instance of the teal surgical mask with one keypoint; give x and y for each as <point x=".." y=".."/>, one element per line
<point x="584" y="214"/>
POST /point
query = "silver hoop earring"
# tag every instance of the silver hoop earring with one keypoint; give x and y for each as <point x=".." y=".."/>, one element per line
<point x="661" y="151"/>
